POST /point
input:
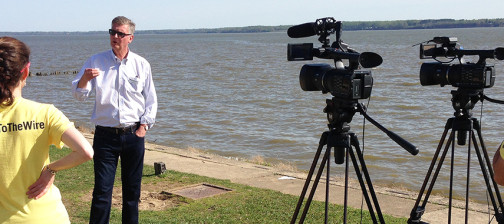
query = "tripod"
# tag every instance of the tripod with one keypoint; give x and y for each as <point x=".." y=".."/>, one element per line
<point x="463" y="123"/>
<point x="339" y="114"/>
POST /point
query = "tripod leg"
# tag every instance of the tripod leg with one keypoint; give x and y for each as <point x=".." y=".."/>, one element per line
<point x="471" y="140"/>
<point x="488" y="174"/>
<point x="345" y="201"/>
<point x="491" y="174"/>
<point x="417" y="211"/>
<point x="450" y="194"/>
<point x="490" y="170"/>
<point x="490" y="167"/>
<point x="355" y="143"/>
<point x="327" y="155"/>
<point x="325" y="160"/>
<point x="322" y="142"/>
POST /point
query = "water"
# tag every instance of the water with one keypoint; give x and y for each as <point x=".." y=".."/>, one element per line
<point x="236" y="95"/>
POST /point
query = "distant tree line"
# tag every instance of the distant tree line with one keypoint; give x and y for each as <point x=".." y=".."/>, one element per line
<point x="347" y="25"/>
<point x="247" y="29"/>
<point x="364" y="25"/>
<point x="422" y="24"/>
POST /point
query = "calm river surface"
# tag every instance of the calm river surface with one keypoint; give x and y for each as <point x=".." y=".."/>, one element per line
<point x="237" y="95"/>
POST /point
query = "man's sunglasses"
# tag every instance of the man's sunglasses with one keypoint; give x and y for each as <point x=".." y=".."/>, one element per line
<point x="119" y="34"/>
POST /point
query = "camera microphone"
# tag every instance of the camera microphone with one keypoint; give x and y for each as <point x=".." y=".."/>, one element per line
<point x="325" y="25"/>
<point x="303" y="30"/>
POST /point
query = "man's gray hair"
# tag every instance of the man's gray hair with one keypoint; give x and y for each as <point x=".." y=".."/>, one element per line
<point x="121" y="20"/>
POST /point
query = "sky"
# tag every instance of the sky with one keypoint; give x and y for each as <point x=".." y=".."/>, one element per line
<point x="95" y="15"/>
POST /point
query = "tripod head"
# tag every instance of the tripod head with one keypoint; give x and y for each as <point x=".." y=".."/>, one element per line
<point x="463" y="101"/>
<point x="340" y="113"/>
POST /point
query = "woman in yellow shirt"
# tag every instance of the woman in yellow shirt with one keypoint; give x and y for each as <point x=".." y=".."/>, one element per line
<point x="27" y="129"/>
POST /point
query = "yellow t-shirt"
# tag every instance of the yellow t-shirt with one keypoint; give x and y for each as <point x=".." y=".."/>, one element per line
<point x="27" y="129"/>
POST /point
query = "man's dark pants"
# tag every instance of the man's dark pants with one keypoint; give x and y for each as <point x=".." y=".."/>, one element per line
<point x="108" y="147"/>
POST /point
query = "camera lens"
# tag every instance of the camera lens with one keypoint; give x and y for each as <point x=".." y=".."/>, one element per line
<point x="310" y="77"/>
<point x="458" y="75"/>
<point x="434" y="74"/>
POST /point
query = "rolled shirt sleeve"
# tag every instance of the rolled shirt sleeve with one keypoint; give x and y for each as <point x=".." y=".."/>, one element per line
<point x="82" y="94"/>
<point x="149" y="93"/>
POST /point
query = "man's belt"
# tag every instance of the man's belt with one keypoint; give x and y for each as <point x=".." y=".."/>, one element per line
<point x="118" y="131"/>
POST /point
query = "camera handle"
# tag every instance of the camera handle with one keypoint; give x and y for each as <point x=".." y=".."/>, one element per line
<point x="396" y="138"/>
<point x="492" y="100"/>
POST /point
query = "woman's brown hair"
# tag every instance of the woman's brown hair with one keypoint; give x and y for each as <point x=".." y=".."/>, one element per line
<point x="14" y="55"/>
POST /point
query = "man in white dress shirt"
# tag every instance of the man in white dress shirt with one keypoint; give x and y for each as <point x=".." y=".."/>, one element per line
<point x="125" y="108"/>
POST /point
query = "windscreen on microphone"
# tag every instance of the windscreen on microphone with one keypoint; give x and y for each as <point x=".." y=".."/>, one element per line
<point x="303" y="30"/>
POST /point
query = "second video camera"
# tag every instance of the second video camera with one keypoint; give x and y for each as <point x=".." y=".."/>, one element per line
<point x="466" y="75"/>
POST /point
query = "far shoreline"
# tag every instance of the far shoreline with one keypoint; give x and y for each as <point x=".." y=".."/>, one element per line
<point x="347" y="26"/>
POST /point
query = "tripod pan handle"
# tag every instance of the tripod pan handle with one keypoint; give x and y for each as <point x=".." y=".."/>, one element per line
<point x="403" y="143"/>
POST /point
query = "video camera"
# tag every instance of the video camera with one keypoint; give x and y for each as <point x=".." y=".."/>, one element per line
<point x="466" y="75"/>
<point x="344" y="82"/>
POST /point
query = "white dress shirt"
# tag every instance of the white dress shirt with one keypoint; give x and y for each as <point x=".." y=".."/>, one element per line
<point x="124" y="90"/>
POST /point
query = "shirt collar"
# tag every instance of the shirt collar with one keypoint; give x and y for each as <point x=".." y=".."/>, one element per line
<point x="117" y="59"/>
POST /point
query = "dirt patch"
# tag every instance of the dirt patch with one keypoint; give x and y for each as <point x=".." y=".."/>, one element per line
<point x="153" y="197"/>
<point x="153" y="201"/>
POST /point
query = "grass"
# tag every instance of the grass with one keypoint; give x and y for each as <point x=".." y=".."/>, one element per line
<point x="244" y="204"/>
